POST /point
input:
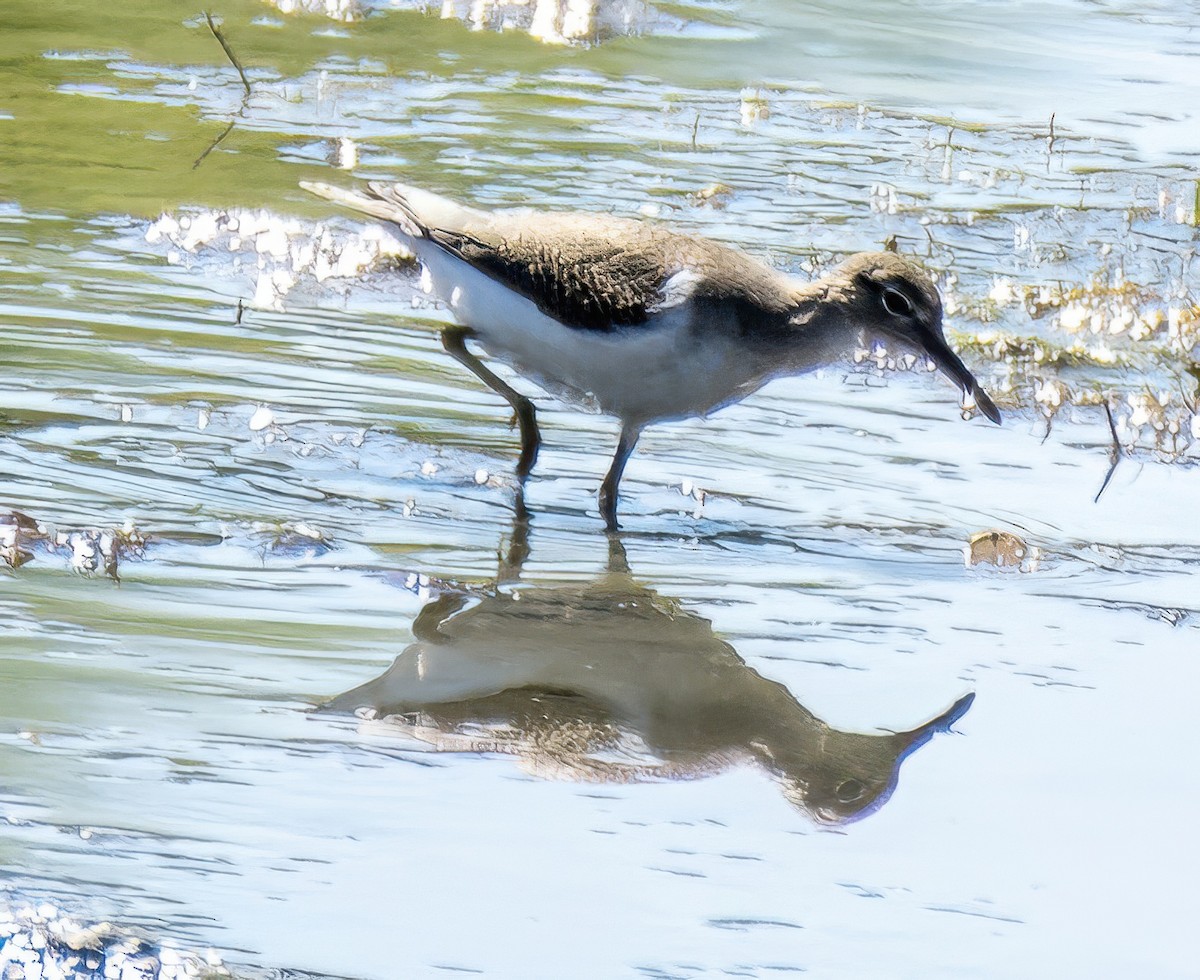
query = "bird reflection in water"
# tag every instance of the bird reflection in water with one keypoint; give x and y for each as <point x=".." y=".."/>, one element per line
<point x="611" y="682"/>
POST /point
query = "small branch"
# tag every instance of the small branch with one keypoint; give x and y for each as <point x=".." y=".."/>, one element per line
<point x="214" y="144"/>
<point x="696" y="129"/>
<point x="216" y="31"/>
<point x="233" y="60"/>
<point x="1114" y="453"/>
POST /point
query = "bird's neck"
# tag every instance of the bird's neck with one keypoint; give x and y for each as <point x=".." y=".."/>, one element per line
<point x="819" y="328"/>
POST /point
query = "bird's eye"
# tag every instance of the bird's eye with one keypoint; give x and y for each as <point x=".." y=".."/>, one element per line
<point x="896" y="303"/>
<point x="850" y="791"/>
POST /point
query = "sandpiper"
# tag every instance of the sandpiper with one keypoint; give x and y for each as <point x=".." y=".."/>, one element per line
<point x="647" y="323"/>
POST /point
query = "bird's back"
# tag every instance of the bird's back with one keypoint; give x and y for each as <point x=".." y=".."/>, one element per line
<point x="588" y="271"/>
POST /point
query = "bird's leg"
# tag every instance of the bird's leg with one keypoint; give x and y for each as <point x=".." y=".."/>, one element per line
<point x="608" y="489"/>
<point x="618" y="562"/>
<point x="454" y="339"/>
<point x="512" y="560"/>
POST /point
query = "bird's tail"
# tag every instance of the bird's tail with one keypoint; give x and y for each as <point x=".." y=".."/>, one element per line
<point x="416" y="211"/>
<point x="388" y="209"/>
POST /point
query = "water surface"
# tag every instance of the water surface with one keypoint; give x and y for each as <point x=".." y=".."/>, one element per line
<point x="255" y="512"/>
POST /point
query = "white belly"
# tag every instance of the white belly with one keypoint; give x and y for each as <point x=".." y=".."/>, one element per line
<point x="641" y="374"/>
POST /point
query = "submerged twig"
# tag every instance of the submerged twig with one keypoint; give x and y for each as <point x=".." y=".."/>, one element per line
<point x="948" y="158"/>
<point x="1050" y="143"/>
<point x="695" y="128"/>
<point x="1114" y="453"/>
<point x="216" y="31"/>
<point x="215" y="143"/>
<point x="1192" y="401"/>
<point x="233" y="60"/>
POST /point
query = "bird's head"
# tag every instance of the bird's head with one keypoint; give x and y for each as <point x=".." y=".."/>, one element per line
<point x="890" y="295"/>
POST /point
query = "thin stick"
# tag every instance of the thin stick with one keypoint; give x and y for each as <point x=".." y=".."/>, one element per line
<point x="233" y="60"/>
<point x="214" y="144"/>
<point x="1114" y="453"/>
<point x="228" y="50"/>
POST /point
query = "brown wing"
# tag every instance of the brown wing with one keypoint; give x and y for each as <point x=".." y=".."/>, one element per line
<point x="584" y="277"/>
<point x="590" y="271"/>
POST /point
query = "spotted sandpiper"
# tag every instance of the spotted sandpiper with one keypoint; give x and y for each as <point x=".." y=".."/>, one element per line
<point x="647" y="323"/>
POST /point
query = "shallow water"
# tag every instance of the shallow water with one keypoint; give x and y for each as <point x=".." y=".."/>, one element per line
<point x="252" y="481"/>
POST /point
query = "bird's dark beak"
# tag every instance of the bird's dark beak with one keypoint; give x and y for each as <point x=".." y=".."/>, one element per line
<point x="951" y="365"/>
<point x="919" y="736"/>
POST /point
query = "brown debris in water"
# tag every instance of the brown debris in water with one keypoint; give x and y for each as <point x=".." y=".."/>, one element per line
<point x="88" y="550"/>
<point x="713" y="195"/>
<point x="43" y="941"/>
<point x="16" y="530"/>
<point x="1002" y="549"/>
